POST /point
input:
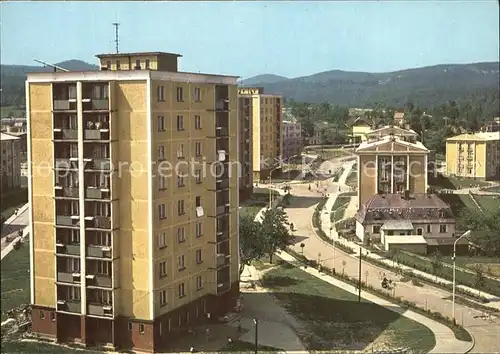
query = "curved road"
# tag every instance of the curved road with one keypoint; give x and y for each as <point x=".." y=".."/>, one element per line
<point x="485" y="331"/>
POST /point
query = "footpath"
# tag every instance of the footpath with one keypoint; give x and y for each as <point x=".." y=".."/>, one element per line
<point x="12" y="225"/>
<point x="326" y="224"/>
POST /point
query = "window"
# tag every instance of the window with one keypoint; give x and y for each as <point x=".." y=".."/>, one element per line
<point x="428" y="229"/>
<point x="74" y="265"/>
<point x="161" y="152"/>
<point x="180" y="207"/>
<point x="180" y="151"/>
<point x="180" y="235"/>
<point x="130" y="326"/>
<point x="376" y="229"/>
<point x="162" y="240"/>
<point x="137" y="64"/>
<point x="161" y="93"/>
<point x="141" y="328"/>
<point x="182" y="292"/>
<point x="180" y="97"/>
<point x="197" y="96"/>
<point x="162" y="269"/>
<point x="73" y="293"/>
<point x="180" y="181"/>
<point x="199" y="229"/>
<point x="103" y="267"/>
<point x="420" y="231"/>
<point x="162" y="211"/>
<point x="108" y="65"/>
<point x="147" y="63"/>
<point x="42" y="315"/>
<point x="161" y="123"/>
<point x="197" y="122"/>
<point x="117" y="65"/>
<point x="182" y="265"/>
<point x="442" y="229"/>
<point x="180" y="123"/>
<point x="198" y="201"/>
<point x="52" y="316"/>
<point x="198" y="256"/>
<point x="197" y="149"/>
<point x="197" y="176"/>
<point x="163" y="298"/>
<point x="162" y="183"/>
<point x="199" y="283"/>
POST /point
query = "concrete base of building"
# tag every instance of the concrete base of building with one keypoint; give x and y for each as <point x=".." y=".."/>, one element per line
<point x="129" y="333"/>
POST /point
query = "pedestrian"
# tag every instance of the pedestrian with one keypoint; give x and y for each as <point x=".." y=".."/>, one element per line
<point x="239" y="326"/>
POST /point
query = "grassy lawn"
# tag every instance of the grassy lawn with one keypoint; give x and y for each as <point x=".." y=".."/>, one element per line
<point x="489" y="265"/>
<point x="15" y="279"/>
<point x="239" y="346"/>
<point x="448" y="182"/>
<point x="488" y="201"/>
<point x="464" y="278"/>
<point x="39" y="347"/>
<point x="458" y="202"/>
<point x="492" y="189"/>
<point x="12" y="201"/>
<point x="252" y="209"/>
<point x="335" y="320"/>
<point x="340" y="205"/>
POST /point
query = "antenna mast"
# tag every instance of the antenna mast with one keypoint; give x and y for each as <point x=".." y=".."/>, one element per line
<point x="55" y="67"/>
<point x="117" y="38"/>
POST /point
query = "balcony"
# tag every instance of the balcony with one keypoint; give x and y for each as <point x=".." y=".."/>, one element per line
<point x="97" y="193"/>
<point x="99" y="280"/>
<point x="67" y="249"/>
<point x="65" y="163"/>
<point x="223" y="280"/>
<point x="66" y="192"/>
<point x="67" y="220"/>
<point x="99" y="251"/>
<point x="92" y="104"/>
<point x="65" y="276"/>
<point x="98" y="222"/>
<point x="100" y="309"/>
<point x="222" y="185"/>
<point x="97" y="164"/>
<point x="221" y="210"/>
<point x="73" y="306"/>
<point x="222" y="260"/>
<point x="65" y="134"/>
<point x="94" y="134"/>
<point x="221" y="132"/>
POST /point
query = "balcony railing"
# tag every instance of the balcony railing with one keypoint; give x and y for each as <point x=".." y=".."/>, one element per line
<point x="66" y="162"/>
<point x="222" y="105"/>
<point x="97" y="163"/>
<point x="98" y="309"/>
<point x="65" y="277"/>
<point x="96" y="193"/>
<point x="222" y="209"/>
<point x="64" y="105"/>
<point x="92" y="134"/>
<point x="65" y="134"/>
<point x="74" y="306"/>
<point x="221" y="132"/>
<point x="71" y="249"/>
<point x="67" y="220"/>
<point x="100" y="222"/>
<point x="95" y="104"/>
<point x="97" y="251"/>
<point x="63" y="191"/>
<point x="103" y="281"/>
<point x="223" y="287"/>
<point x="222" y="260"/>
<point x="224" y="184"/>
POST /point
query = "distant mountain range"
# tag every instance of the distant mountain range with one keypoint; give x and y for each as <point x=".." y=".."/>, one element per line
<point x="425" y="86"/>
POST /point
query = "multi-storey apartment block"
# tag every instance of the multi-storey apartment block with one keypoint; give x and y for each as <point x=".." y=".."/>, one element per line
<point x="292" y="139"/>
<point x="266" y="131"/>
<point x="134" y="203"/>
<point x="10" y="162"/>
<point x="391" y="161"/>
<point x="245" y="119"/>
<point x="474" y="155"/>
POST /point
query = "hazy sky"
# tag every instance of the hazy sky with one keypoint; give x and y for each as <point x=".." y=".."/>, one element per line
<point x="249" y="38"/>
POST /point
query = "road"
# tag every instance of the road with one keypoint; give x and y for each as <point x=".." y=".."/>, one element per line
<point x="12" y="226"/>
<point x="485" y="331"/>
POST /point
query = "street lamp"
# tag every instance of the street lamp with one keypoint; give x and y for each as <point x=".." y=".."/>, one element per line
<point x="333" y="244"/>
<point x="256" y="323"/>
<point x="465" y="234"/>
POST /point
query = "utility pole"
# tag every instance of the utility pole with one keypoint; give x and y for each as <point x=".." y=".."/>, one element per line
<point x="359" y="279"/>
<point x="117" y="38"/>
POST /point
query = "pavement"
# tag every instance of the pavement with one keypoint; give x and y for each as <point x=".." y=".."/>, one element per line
<point x="12" y="226"/>
<point x="483" y="327"/>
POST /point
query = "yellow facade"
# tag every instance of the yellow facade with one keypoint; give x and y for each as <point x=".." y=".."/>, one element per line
<point x="140" y="126"/>
<point x="359" y="132"/>
<point x="267" y="135"/>
<point x="474" y="156"/>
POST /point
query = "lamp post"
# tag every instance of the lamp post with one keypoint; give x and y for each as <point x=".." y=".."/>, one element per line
<point x="333" y="244"/>
<point x="465" y="234"/>
<point x="256" y="323"/>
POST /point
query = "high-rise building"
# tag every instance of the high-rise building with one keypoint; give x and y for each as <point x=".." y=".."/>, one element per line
<point x="474" y="156"/>
<point x="10" y="162"/>
<point x="245" y="119"/>
<point x="266" y="131"/>
<point x="391" y="161"/>
<point x="134" y="202"/>
<point x="292" y="139"/>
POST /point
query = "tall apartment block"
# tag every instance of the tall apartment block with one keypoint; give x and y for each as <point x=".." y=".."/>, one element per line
<point x="391" y="161"/>
<point x="475" y="156"/>
<point x="292" y="140"/>
<point x="267" y="126"/>
<point x="245" y="114"/>
<point x="134" y="203"/>
<point x="10" y="162"/>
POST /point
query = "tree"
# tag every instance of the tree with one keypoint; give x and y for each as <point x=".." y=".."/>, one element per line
<point x="252" y="246"/>
<point x="479" y="277"/>
<point x="436" y="263"/>
<point x="275" y="231"/>
<point x="485" y="227"/>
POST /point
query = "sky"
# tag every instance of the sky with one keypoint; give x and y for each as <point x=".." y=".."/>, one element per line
<point x="288" y="38"/>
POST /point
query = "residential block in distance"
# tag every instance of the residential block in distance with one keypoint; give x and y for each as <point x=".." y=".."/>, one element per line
<point x="134" y="202"/>
<point x="292" y="140"/>
<point x="266" y="131"/>
<point x="10" y="162"/>
<point x="475" y="156"/>
<point x="245" y="120"/>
